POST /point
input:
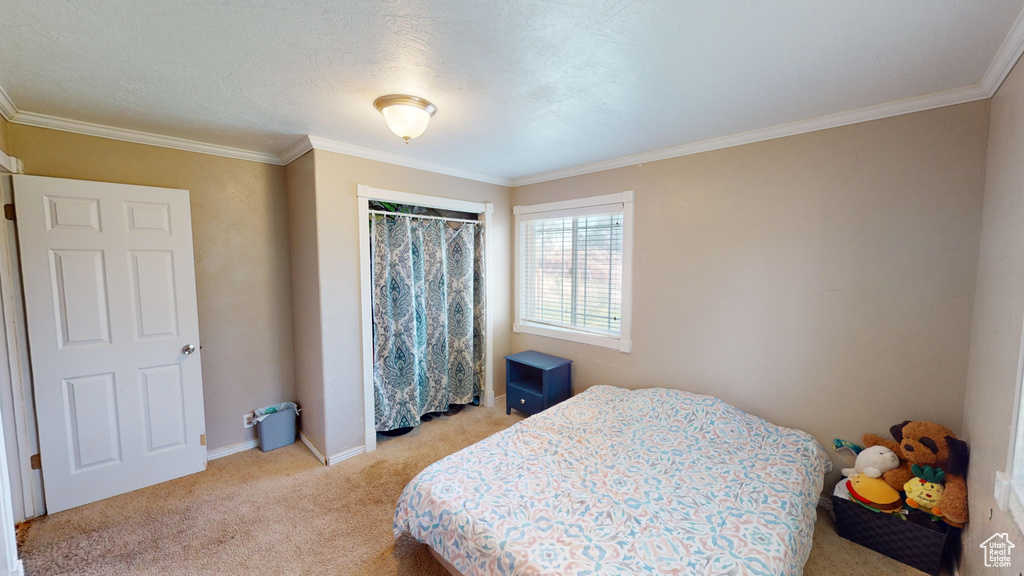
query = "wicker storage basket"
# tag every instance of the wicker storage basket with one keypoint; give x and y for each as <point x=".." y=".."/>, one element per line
<point x="917" y="541"/>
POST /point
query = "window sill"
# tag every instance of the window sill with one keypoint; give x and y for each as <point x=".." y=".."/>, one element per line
<point x="1016" y="504"/>
<point x="620" y="344"/>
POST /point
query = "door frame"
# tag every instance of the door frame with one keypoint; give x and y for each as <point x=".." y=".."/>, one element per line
<point x="13" y="313"/>
<point x="366" y="194"/>
<point x="18" y="381"/>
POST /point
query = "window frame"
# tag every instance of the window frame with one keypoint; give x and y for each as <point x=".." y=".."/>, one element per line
<point x="622" y="342"/>
<point x="1009" y="484"/>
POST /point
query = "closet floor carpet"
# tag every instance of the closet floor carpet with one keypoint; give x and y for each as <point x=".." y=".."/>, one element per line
<point x="282" y="512"/>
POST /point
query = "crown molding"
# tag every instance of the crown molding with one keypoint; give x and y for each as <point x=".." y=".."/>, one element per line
<point x="9" y="164"/>
<point x="1006" y="57"/>
<point x="7" y="108"/>
<point x="390" y="158"/>
<point x="293" y="153"/>
<point x="303" y="145"/>
<point x="889" y="109"/>
<point x="126" y="135"/>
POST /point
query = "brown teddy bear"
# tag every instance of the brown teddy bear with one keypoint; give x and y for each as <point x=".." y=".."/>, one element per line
<point x="928" y="444"/>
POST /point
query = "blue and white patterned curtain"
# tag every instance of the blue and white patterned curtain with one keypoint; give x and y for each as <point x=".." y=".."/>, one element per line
<point x="428" y="317"/>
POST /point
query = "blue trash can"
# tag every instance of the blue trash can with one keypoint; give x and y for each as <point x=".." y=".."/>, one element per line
<point x="276" y="426"/>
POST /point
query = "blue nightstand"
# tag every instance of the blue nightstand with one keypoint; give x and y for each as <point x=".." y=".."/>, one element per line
<point x="535" y="381"/>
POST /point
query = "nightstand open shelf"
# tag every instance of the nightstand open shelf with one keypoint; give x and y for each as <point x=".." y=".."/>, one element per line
<point x="535" y="381"/>
<point x="535" y="387"/>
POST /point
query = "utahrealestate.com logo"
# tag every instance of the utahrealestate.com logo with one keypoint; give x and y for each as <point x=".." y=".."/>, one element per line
<point x="997" y="550"/>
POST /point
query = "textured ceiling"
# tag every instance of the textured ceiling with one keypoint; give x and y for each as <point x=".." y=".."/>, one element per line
<point x="522" y="87"/>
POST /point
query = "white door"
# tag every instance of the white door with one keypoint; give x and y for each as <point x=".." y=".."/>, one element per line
<point x="110" y="300"/>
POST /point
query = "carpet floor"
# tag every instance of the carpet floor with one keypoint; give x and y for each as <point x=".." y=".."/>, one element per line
<point x="282" y="512"/>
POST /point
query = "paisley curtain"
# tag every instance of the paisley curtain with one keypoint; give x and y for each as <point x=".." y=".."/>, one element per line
<point x="428" y="317"/>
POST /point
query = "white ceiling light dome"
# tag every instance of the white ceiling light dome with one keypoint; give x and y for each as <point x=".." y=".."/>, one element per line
<point x="407" y="116"/>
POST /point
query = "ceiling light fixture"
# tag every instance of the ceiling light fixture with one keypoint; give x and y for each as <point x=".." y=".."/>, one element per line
<point x="406" y="115"/>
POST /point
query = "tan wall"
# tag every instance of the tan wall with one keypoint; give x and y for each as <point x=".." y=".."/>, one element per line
<point x="240" y="233"/>
<point x="306" y="326"/>
<point x="995" y="335"/>
<point x="4" y="127"/>
<point x="337" y="177"/>
<point x="821" y="281"/>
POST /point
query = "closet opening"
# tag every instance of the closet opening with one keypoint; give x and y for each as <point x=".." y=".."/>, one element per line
<point x="426" y="326"/>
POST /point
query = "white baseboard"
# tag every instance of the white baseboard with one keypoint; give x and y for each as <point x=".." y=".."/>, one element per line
<point x="499" y="399"/>
<point x="16" y="568"/>
<point x="489" y="399"/>
<point x="312" y="448"/>
<point x="232" y="449"/>
<point x="825" y="502"/>
<point x="331" y="461"/>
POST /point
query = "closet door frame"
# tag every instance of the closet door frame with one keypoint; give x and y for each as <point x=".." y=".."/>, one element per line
<point x="365" y="195"/>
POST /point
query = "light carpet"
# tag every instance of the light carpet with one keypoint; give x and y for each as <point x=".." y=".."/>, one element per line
<point x="282" y="512"/>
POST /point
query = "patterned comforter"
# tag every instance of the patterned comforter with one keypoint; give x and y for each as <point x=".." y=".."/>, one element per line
<point x="624" y="482"/>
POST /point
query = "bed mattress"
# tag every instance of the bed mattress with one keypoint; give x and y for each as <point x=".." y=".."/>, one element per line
<point x="616" y="481"/>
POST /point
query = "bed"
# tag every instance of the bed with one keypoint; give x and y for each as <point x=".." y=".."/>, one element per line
<point x="614" y="481"/>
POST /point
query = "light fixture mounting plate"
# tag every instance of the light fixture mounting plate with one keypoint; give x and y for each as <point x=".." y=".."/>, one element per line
<point x="404" y="99"/>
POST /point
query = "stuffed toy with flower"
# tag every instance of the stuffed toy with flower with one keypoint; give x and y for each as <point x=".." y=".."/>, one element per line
<point x="925" y="489"/>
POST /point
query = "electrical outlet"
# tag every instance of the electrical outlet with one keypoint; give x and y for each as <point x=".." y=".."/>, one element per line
<point x="247" y="421"/>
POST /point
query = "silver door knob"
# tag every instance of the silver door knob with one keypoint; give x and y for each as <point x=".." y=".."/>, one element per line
<point x="188" y="349"/>
<point x="522" y="400"/>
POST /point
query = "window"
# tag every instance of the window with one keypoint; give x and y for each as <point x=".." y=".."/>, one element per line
<point x="1009" y="485"/>
<point x="573" y="265"/>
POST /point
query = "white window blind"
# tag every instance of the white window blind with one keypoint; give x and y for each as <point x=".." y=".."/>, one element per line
<point x="572" y="269"/>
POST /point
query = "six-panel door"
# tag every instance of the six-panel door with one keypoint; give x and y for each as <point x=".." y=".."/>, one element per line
<point x="111" y="304"/>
